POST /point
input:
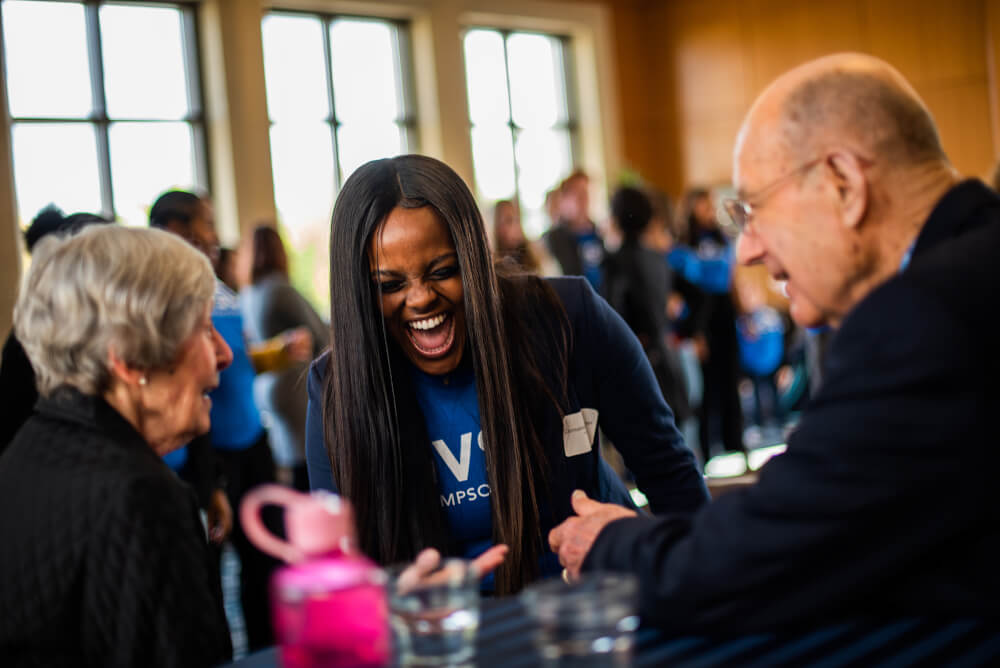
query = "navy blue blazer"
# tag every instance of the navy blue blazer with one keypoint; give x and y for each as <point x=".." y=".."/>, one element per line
<point x="608" y="373"/>
<point x="886" y="501"/>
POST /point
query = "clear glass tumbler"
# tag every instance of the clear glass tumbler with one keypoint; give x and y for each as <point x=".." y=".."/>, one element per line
<point x="434" y="617"/>
<point x="590" y="623"/>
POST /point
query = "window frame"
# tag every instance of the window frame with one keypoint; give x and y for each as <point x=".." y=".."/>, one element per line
<point x="99" y="119"/>
<point x="403" y="52"/>
<point x="572" y="123"/>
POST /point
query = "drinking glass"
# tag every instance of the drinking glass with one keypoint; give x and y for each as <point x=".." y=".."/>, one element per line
<point x="590" y="623"/>
<point x="434" y="617"/>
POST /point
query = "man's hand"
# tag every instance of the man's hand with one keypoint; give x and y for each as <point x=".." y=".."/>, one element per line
<point x="572" y="539"/>
<point x="220" y="517"/>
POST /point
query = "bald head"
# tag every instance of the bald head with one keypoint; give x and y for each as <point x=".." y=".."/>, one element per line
<point x="838" y="165"/>
<point x="847" y="99"/>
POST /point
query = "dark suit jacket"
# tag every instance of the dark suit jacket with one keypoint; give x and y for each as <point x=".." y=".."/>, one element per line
<point x="885" y="502"/>
<point x="103" y="558"/>
<point x="609" y="373"/>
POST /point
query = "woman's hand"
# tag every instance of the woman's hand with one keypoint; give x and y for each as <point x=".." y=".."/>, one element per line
<point x="421" y="571"/>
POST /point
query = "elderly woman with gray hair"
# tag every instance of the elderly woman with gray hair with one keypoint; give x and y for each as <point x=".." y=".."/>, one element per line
<point x="103" y="557"/>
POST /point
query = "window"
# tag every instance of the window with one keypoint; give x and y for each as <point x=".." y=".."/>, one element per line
<point x="522" y="126"/>
<point x="337" y="97"/>
<point x="105" y="105"/>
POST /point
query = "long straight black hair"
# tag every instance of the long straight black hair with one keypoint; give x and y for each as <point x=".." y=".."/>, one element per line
<point x="376" y="436"/>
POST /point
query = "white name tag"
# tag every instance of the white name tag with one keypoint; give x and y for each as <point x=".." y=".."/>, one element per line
<point x="578" y="432"/>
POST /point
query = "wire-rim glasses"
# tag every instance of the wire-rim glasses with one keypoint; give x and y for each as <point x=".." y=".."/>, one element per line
<point x="740" y="210"/>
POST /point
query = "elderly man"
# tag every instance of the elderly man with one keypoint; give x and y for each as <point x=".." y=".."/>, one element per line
<point x="885" y="502"/>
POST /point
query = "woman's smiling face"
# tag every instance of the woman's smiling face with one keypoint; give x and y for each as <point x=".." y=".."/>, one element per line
<point x="414" y="263"/>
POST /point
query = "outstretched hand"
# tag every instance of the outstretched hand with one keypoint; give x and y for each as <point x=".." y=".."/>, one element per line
<point x="572" y="539"/>
<point x="421" y="571"/>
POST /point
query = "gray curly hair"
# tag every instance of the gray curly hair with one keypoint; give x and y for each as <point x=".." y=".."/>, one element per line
<point x="139" y="292"/>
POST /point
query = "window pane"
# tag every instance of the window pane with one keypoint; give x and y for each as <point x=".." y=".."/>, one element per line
<point x="146" y="159"/>
<point x="536" y="80"/>
<point x="294" y="69"/>
<point x="57" y="163"/>
<point x="302" y="164"/>
<point x="47" y="77"/>
<point x="493" y="161"/>
<point x="365" y="71"/>
<point x="360" y="142"/>
<point x="543" y="158"/>
<point x="143" y="62"/>
<point x="486" y="77"/>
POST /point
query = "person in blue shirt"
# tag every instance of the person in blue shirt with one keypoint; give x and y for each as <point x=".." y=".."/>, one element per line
<point x="703" y="267"/>
<point x="458" y="408"/>
<point x="237" y="435"/>
<point x="761" y="333"/>
<point x="573" y="240"/>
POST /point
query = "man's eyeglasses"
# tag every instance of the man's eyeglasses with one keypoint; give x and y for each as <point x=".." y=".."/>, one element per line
<point x="740" y="211"/>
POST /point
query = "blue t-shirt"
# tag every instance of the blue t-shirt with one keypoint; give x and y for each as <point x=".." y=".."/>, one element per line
<point x="236" y="421"/>
<point x="450" y="405"/>
<point x="176" y="459"/>
<point x="761" y="336"/>
<point x="710" y="266"/>
<point x="591" y="257"/>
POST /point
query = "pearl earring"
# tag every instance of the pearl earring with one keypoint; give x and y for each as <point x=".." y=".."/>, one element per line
<point x="143" y="380"/>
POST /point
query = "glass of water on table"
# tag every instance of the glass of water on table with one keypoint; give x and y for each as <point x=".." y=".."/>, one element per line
<point x="434" y="615"/>
<point x="589" y="623"/>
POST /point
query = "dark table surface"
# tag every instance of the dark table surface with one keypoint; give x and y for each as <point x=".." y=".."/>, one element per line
<point x="506" y="636"/>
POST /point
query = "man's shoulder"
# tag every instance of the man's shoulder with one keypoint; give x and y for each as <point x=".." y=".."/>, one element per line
<point x="907" y="328"/>
<point x="950" y="284"/>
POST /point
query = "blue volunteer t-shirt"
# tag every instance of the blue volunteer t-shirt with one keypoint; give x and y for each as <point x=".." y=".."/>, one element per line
<point x="236" y="421"/>
<point x="450" y="406"/>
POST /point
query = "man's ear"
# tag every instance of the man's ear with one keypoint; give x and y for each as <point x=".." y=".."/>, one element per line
<point x="851" y="183"/>
<point x="123" y="371"/>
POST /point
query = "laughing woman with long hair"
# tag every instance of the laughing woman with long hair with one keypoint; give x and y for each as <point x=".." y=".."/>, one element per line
<point x="458" y="408"/>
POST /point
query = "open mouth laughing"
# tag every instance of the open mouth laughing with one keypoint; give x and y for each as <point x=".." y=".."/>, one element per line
<point x="432" y="337"/>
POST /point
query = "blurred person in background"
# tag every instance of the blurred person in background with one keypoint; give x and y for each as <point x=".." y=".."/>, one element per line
<point x="17" y="379"/>
<point x="237" y="434"/>
<point x="271" y="306"/>
<point x="226" y="269"/>
<point x="703" y="264"/>
<point x="574" y="241"/>
<point x="552" y="206"/>
<point x="510" y="243"/>
<point x="103" y="560"/>
<point x="761" y="334"/>
<point x="636" y="284"/>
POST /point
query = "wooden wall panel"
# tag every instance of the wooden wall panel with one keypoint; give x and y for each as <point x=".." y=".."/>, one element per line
<point x="927" y="41"/>
<point x="710" y="60"/>
<point x="710" y="64"/>
<point x="708" y="150"/>
<point x="962" y="112"/>
<point x="787" y="32"/>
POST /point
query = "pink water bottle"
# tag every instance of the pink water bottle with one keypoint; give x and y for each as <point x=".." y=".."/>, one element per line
<point x="328" y="606"/>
